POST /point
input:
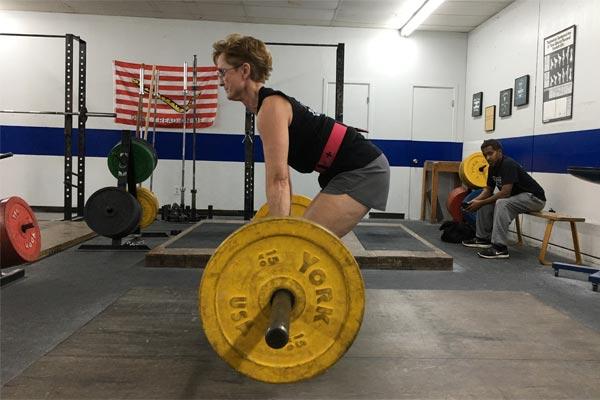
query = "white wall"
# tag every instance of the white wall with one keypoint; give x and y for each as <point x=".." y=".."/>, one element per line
<point x="32" y="79"/>
<point x="510" y="45"/>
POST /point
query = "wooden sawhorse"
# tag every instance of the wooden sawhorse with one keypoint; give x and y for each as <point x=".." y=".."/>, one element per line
<point x="436" y="167"/>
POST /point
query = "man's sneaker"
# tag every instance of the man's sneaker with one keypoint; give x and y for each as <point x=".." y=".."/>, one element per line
<point x="494" y="252"/>
<point x="477" y="242"/>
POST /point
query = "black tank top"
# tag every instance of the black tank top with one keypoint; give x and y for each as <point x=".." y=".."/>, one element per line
<point x="308" y="134"/>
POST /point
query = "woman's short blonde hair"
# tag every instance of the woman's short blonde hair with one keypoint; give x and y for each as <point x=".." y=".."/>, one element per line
<point x="238" y="49"/>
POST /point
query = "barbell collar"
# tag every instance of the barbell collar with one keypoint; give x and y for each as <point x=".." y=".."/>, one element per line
<point x="278" y="332"/>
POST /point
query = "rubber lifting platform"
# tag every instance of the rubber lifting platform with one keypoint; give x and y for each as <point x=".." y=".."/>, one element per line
<point x="418" y="344"/>
<point x="388" y="246"/>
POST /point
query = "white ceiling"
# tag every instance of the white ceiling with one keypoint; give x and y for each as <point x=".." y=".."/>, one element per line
<point x="452" y="15"/>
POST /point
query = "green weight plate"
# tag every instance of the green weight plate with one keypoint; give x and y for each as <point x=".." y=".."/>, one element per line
<point x="144" y="159"/>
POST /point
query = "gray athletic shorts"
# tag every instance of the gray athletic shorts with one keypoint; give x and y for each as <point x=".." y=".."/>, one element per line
<point x="368" y="185"/>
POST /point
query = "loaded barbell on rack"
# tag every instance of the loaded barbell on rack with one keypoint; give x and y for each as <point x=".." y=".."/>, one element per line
<point x="281" y="299"/>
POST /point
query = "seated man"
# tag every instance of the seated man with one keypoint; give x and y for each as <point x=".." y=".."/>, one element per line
<point x="518" y="193"/>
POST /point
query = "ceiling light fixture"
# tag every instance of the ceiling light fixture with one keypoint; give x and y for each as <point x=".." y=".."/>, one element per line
<point x="426" y="9"/>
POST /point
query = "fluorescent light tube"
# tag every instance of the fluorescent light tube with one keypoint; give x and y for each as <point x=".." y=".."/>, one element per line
<point x="417" y="19"/>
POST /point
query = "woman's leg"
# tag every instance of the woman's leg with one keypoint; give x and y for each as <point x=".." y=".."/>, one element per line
<point x="339" y="213"/>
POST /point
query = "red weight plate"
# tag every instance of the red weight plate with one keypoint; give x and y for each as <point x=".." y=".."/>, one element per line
<point x="453" y="204"/>
<point x="21" y="237"/>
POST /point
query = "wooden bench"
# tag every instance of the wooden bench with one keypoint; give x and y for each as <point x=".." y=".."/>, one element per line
<point x="552" y="217"/>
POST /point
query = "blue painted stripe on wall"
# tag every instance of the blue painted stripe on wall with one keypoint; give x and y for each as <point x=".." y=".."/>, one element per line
<point x="540" y="153"/>
<point x="520" y="149"/>
<point x="50" y="141"/>
<point x="555" y="152"/>
<point x="209" y="147"/>
<point x="400" y="153"/>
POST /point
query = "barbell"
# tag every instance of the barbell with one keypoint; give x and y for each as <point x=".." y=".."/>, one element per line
<point x="83" y="113"/>
<point x="299" y="204"/>
<point x="281" y="299"/>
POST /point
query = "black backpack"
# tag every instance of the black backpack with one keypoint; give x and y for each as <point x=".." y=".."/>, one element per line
<point x="456" y="232"/>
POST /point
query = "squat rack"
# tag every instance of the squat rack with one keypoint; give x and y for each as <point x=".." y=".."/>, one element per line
<point x="68" y="114"/>
<point x="250" y="122"/>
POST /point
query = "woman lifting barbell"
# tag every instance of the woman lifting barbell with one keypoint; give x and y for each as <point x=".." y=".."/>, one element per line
<point x="354" y="173"/>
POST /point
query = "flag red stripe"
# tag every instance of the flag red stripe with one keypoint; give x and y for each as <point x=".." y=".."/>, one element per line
<point x="167" y="115"/>
<point x="147" y="78"/>
<point x="135" y="95"/>
<point x="125" y="121"/>
<point x="160" y="105"/>
<point x="163" y="67"/>
<point x="166" y="87"/>
<point x="167" y="77"/>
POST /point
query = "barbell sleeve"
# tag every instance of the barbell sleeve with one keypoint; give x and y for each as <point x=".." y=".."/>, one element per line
<point x="278" y="332"/>
<point x="24" y="227"/>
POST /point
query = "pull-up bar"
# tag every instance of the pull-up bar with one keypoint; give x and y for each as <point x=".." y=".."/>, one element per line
<point x="301" y="44"/>
<point x="37" y="35"/>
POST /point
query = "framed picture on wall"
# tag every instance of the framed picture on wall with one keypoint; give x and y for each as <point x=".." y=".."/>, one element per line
<point x="505" y="102"/>
<point x="559" y="75"/>
<point x="476" y="105"/>
<point x="490" y="118"/>
<point x="522" y="90"/>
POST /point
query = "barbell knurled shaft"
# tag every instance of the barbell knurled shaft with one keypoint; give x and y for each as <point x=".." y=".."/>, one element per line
<point x="278" y="332"/>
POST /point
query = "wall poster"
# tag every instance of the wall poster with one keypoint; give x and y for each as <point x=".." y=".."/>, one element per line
<point x="490" y="118"/>
<point x="476" y="104"/>
<point x="505" y="102"/>
<point x="522" y="90"/>
<point x="559" y="71"/>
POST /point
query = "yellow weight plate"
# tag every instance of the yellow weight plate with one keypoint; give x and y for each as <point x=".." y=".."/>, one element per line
<point x="155" y="199"/>
<point x="150" y="194"/>
<point x="299" y="204"/>
<point x="281" y="253"/>
<point x="149" y="205"/>
<point x="473" y="171"/>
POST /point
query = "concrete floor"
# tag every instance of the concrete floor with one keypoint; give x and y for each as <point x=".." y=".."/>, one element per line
<point x="64" y="292"/>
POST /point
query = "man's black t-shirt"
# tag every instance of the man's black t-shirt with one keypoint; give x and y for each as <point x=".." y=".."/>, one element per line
<point x="508" y="171"/>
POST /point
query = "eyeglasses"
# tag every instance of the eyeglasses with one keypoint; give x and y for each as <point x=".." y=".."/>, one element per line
<point x="223" y="71"/>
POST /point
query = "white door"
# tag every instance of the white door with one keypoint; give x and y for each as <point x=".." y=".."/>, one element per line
<point x="356" y="104"/>
<point x="433" y="116"/>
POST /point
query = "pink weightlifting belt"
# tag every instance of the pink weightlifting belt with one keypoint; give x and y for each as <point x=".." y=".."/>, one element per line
<point x="331" y="147"/>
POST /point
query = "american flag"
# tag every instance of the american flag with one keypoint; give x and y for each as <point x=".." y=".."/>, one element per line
<point x="170" y="107"/>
